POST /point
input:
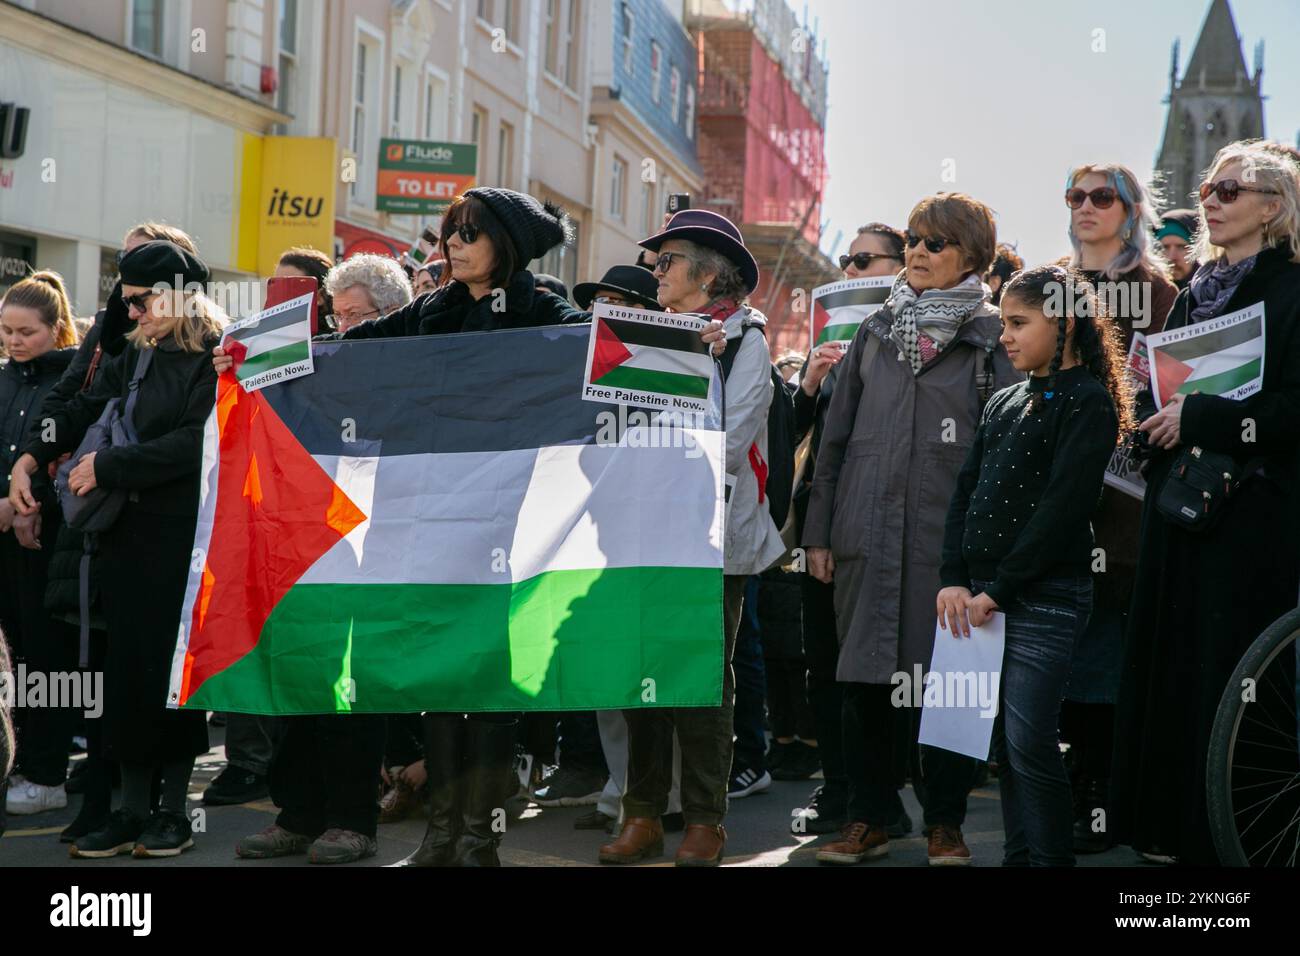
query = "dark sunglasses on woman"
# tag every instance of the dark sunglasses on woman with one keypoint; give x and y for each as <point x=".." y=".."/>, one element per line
<point x="1103" y="197"/>
<point x="468" y="233"/>
<point x="140" y="301"/>
<point x="863" y="259"/>
<point x="935" y="246"/>
<point x="1228" y="189"/>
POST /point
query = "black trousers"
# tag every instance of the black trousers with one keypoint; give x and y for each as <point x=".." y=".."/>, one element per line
<point x="325" y="773"/>
<point x="878" y="740"/>
<point x="821" y="648"/>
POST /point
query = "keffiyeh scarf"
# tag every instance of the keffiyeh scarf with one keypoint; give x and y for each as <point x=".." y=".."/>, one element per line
<point x="925" y="323"/>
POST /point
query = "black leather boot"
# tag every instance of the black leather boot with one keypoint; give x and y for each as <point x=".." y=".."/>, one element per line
<point x="1092" y="795"/>
<point x="444" y="752"/>
<point x="489" y="774"/>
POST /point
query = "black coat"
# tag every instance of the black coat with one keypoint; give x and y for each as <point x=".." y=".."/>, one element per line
<point x="62" y="589"/>
<point x="1202" y="598"/>
<point x="451" y="309"/>
<point x="162" y="471"/>
<point x="23" y="387"/>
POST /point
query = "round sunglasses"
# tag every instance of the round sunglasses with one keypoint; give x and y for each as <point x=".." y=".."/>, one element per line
<point x="863" y="259"/>
<point x="1227" y="190"/>
<point x="1103" y="197"/>
<point x="933" y="245"/>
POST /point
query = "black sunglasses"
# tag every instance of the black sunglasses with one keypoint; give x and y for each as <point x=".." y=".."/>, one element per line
<point x="1103" y="197"/>
<point x="468" y="233"/>
<point x="935" y="246"/>
<point x="1228" y="189"/>
<point x="863" y="259"/>
<point x="140" y="301"/>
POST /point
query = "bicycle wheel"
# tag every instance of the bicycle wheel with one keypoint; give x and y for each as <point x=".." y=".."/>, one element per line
<point x="1252" y="774"/>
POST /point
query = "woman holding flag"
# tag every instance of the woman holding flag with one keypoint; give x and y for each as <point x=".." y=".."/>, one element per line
<point x="143" y="560"/>
<point x="1202" y="596"/>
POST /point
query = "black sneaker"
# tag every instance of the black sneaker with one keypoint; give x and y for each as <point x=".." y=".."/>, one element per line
<point x="799" y="761"/>
<point x="570" y="788"/>
<point x="168" y="834"/>
<point x="88" y="820"/>
<point x="776" y="754"/>
<point x="746" y="781"/>
<point x="118" y="835"/>
<point x="821" y="815"/>
<point x="594" y="820"/>
<point x="235" y="785"/>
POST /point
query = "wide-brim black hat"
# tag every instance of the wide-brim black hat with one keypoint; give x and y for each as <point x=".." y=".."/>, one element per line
<point x="636" y="283"/>
<point x="713" y="231"/>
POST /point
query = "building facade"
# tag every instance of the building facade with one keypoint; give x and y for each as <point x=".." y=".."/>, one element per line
<point x="1214" y="103"/>
<point x="643" y="109"/>
<point x="762" y="124"/>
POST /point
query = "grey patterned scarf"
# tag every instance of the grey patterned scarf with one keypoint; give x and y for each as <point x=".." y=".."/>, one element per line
<point x="926" y="322"/>
<point x="1214" y="284"/>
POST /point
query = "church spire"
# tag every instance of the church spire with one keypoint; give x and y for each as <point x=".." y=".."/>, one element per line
<point x="1217" y="63"/>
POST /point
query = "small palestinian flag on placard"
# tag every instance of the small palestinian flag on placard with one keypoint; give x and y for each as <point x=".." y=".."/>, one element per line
<point x="272" y="346"/>
<point x="840" y="307"/>
<point x="639" y="356"/>
<point x="1221" y="356"/>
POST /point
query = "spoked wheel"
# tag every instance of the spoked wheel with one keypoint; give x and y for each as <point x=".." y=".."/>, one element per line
<point x="1253" y="770"/>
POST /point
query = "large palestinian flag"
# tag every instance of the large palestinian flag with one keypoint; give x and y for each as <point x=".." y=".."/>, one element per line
<point x="1221" y="356"/>
<point x="638" y="354"/>
<point x="840" y="307"/>
<point x="429" y="524"/>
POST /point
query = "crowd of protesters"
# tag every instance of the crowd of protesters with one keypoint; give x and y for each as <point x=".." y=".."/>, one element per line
<point x="950" y="464"/>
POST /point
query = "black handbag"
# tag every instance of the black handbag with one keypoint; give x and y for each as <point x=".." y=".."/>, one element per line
<point x="1199" y="485"/>
<point x="98" y="510"/>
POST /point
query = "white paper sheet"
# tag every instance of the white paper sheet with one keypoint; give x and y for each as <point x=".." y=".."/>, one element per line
<point x="960" y="694"/>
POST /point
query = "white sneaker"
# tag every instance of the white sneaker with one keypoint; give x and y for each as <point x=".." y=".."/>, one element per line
<point x="27" y="798"/>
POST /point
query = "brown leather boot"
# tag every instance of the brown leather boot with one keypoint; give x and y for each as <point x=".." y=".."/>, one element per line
<point x="857" y="842"/>
<point x="642" y="838"/>
<point x="947" y="848"/>
<point x="702" y="846"/>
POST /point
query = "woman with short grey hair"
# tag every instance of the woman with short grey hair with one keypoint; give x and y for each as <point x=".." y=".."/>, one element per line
<point x="366" y="286"/>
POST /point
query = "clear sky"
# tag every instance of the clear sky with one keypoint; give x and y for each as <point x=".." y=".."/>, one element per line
<point x="1013" y="93"/>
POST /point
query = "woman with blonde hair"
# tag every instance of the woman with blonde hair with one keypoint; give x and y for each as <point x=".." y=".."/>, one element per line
<point x="143" y="559"/>
<point x="37" y="330"/>
<point x="1203" y="595"/>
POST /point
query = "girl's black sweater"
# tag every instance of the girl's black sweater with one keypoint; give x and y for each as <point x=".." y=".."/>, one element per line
<point x="1029" y="487"/>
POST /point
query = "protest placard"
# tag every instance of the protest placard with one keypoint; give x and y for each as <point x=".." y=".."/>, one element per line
<point x="642" y="357"/>
<point x="1222" y="356"/>
<point x="838" y="308"/>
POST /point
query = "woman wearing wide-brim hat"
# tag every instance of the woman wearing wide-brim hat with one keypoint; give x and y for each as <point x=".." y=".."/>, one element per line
<point x="620" y="285"/>
<point x="704" y="268"/>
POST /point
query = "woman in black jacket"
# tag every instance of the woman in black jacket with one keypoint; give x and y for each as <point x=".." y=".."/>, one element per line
<point x="1202" y="597"/>
<point x="38" y="334"/>
<point x="143" y="559"/>
<point x="488" y="237"/>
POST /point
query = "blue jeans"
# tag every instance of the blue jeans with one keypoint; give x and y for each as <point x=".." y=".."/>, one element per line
<point x="1042" y="625"/>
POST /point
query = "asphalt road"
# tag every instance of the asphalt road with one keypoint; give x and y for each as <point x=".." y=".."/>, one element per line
<point x="758" y="829"/>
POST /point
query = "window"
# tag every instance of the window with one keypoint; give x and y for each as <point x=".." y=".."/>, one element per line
<point x="628" y="24"/>
<point x="562" y="261"/>
<point x="395" y="130"/>
<point x="505" y="154"/>
<point x="647" y="208"/>
<point x="146" y="26"/>
<point x="570" y="42"/>
<point x="288" y="23"/>
<point x="552" y="51"/>
<point x="478" y="134"/>
<point x="617" y="187"/>
<point x="656" y="70"/>
<point x="359" y="115"/>
<point x="435" y="107"/>
<point x="674" y="93"/>
<point x="690" y="110"/>
<point x="510" y="20"/>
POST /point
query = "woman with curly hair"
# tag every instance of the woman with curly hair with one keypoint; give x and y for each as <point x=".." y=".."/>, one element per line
<point x="1018" y="540"/>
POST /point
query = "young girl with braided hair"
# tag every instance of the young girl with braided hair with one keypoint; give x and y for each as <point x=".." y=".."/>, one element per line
<point x="1018" y="537"/>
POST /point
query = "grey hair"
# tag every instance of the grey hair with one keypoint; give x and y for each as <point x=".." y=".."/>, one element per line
<point x="727" y="283"/>
<point x="382" y="278"/>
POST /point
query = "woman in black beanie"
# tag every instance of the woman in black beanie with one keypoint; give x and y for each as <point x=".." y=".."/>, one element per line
<point x="143" y="560"/>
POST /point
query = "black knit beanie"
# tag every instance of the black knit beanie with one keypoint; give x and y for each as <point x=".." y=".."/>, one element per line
<point x="159" y="263"/>
<point x="534" y="227"/>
